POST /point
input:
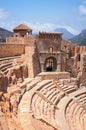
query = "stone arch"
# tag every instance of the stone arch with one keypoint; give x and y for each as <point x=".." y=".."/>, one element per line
<point x="50" y="64"/>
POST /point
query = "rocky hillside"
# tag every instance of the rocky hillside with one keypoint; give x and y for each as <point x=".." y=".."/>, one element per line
<point x="66" y="33"/>
<point x="4" y="33"/>
<point x="80" y="39"/>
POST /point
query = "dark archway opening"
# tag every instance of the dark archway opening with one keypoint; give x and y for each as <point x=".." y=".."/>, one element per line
<point x="50" y="64"/>
<point x="49" y="68"/>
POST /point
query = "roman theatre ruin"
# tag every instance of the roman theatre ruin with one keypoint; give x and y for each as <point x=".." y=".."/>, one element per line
<point x="42" y="82"/>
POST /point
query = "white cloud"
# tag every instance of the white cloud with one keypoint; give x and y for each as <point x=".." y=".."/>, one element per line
<point x="72" y="30"/>
<point x="3" y="14"/>
<point x="50" y="27"/>
<point x="82" y="10"/>
<point x="36" y="27"/>
<point x="46" y="27"/>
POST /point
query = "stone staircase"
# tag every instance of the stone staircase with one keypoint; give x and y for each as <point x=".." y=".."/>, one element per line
<point x="67" y="85"/>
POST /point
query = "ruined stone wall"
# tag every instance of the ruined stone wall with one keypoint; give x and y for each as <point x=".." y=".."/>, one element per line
<point x="83" y="63"/>
<point x="11" y="50"/>
<point x="32" y="62"/>
<point x="36" y="64"/>
<point x="67" y="45"/>
<point x="15" y="40"/>
<point x="3" y="82"/>
<point x="71" y="67"/>
<point x="82" y="49"/>
<point x="20" y="40"/>
<point x="79" y="49"/>
<point x="54" y="76"/>
<point x="32" y="59"/>
<point x="36" y="48"/>
<point x="48" y="45"/>
<point x="30" y="53"/>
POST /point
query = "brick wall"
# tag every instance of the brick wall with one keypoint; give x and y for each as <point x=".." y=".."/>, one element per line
<point x="15" y="40"/>
<point x="28" y="39"/>
<point x="11" y="49"/>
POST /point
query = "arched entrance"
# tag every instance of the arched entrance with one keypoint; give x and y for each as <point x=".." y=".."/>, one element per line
<point x="50" y="64"/>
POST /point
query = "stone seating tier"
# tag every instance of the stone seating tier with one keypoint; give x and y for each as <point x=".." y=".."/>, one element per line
<point x="6" y="63"/>
<point x="76" y="112"/>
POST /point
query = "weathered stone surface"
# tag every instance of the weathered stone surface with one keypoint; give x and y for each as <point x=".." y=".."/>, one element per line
<point x="42" y="83"/>
<point x="3" y="82"/>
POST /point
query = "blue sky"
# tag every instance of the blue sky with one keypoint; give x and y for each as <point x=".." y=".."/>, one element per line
<point x="44" y="15"/>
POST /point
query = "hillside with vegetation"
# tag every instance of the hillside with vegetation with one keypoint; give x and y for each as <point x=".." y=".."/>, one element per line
<point x="80" y="39"/>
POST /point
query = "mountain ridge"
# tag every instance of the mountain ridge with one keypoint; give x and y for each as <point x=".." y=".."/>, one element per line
<point x="66" y="33"/>
<point x="76" y="39"/>
<point x="80" y="38"/>
<point x="4" y="33"/>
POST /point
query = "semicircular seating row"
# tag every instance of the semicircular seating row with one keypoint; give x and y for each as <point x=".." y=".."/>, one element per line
<point x="6" y="63"/>
<point x="75" y="112"/>
<point x="45" y="99"/>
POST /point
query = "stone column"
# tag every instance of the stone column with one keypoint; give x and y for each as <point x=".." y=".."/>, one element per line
<point x="42" y="66"/>
<point x="59" y="63"/>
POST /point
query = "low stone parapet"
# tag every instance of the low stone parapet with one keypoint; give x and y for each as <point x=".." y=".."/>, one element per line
<point x="54" y="75"/>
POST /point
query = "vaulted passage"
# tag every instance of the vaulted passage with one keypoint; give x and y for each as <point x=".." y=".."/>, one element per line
<point x="50" y="64"/>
